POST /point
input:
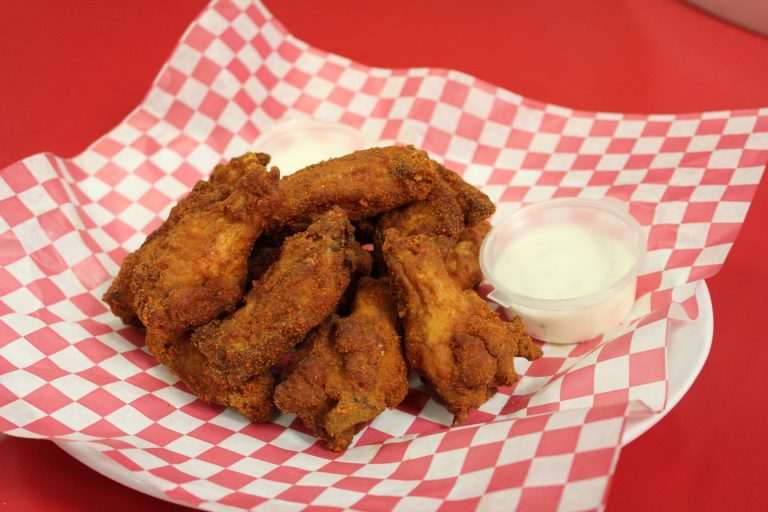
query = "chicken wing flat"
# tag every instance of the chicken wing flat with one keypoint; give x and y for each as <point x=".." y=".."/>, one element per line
<point x="364" y="183"/>
<point x="204" y="193"/>
<point x="193" y="268"/>
<point x="460" y="347"/>
<point x="294" y="295"/>
<point x="348" y="370"/>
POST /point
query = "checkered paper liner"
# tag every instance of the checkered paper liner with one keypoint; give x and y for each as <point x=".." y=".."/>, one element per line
<point x="70" y="371"/>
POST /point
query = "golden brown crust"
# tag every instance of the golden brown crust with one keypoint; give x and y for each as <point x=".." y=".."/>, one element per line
<point x="119" y="296"/>
<point x="459" y="346"/>
<point x="348" y="370"/>
<point x="454" y="214"/>
<point x="203" y="194"/>
<point x="364" y="183"/>
<point x="294" y="295"/>
<point x="474" y="203"/>
<point x="438" y="215"/>
<point x="462" y="261"/>
<point x="192" y="268"/>
<point x="252" y="398"/>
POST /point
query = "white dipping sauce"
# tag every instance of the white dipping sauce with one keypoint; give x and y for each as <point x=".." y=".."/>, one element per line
<point x="562" y="261"/>
<point x="568" y="267"/>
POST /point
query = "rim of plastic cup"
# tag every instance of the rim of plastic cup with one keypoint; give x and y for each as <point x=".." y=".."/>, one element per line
<point x="607" y="206"/>
<point x="293" y="127"/>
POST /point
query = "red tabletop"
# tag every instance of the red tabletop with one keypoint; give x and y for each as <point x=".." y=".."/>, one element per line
<point x="70" y="71"/>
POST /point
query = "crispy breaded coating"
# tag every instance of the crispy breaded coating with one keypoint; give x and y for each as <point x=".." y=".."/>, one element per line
<point x="219" y="185"/>
<point x="462" y="261"/>
<point x="119" y="296"/>
<point x="294" y="295"/>
<point x="460" y="347"/>
<point x="348" y="370"/>
<point x="474" y="203"/>
<point x="193" y="268"/>
<point x="449" y="215"/>
<point x="364" y="183"/>
<point x="252" y="398"/>
<point x="439" y="215"/>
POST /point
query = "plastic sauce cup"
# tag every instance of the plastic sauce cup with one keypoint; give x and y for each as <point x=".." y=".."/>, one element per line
<point x="298" y="143"/>
<point x="568" y="267"/>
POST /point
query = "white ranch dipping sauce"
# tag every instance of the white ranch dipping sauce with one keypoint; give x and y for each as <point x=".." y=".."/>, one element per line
<point x="567" y="267"/>
<point x="562" y="261"/>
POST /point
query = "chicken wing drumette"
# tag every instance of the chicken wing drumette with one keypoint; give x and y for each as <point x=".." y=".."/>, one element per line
<point x="348" y="370"/>
<point x="460" y="347"/>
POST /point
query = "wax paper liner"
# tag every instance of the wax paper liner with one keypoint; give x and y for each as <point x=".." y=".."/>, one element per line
<point x="69" y="371"/>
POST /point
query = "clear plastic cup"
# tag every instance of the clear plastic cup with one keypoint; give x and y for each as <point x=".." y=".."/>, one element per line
<point x="298" y="143"/>
<point x="568" y="319"/>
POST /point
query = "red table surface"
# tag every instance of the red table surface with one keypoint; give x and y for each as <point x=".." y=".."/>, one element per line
<point x="70" y="71"/>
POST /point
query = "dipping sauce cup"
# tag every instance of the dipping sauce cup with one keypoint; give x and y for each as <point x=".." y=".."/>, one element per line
<point x="298" y="143"/>
<point x="568" y="267"/>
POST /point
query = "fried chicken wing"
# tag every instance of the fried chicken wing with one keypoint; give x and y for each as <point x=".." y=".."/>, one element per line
<point x="439" y="215"/>
<point x="460" y="347"/>
<point x="462" y="261"/>
<point x="294" y="295"/>
<point x="204" y="193"/>
<point x="364" y="183"/>
<point x="193" y="268"/>
<point x="252" y="398"/>
<point x="348" y="370"/>
<point x="474" y="203"/>
<point x="453" y="214"/>
<point x="296" y="243"/>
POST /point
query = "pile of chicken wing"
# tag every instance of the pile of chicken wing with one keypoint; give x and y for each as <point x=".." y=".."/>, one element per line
<point x="358" y="268"/>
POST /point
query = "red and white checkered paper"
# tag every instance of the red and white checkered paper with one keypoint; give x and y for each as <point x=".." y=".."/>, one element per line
<point x="69" y="370"/>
